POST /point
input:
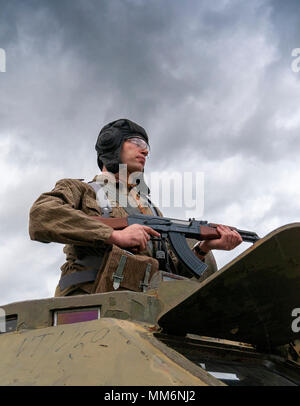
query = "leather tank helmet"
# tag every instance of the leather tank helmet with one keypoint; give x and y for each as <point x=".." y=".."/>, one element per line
<point x="111" y="139"/>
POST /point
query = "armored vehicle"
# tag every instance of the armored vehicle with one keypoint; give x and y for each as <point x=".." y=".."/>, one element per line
<point x="240" y="326"/>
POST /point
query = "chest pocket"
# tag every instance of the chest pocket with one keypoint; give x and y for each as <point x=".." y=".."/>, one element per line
<point x="90" y="206"/>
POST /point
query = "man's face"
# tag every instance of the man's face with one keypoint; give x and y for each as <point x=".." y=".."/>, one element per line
<point x="133" y="153"/>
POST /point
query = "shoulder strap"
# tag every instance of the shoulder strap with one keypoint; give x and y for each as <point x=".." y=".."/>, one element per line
<point x="152" y="207"/>
<point x="101" y="198"/>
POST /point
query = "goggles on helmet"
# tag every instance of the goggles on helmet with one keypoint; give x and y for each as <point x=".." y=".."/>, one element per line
<point x="139" y="142"/>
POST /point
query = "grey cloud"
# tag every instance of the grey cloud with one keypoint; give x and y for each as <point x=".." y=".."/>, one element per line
<point x="165" y="65"/>
<point x="180" y="60"/>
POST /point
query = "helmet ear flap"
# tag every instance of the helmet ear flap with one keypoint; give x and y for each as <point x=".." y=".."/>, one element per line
<point x="100" y="163"/>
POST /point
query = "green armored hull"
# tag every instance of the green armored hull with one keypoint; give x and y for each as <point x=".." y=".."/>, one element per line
<point x="118" y="347"/>
<point x="235" y="328"/>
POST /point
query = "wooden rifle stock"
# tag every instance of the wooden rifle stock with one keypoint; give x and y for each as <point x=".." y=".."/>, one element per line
<point x="209" y="233"/>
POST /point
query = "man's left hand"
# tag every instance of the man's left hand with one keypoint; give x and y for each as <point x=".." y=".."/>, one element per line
<point x="228" y="240"/>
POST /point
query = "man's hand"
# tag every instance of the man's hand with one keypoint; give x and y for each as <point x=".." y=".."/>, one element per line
<point x="135" y="236"/>
<point x="229" y="240"/>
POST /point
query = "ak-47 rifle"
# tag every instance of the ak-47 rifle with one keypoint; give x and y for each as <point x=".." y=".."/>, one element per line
<point x="177" y="231"/>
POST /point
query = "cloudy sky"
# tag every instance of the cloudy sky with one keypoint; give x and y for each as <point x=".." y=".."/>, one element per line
<point x="213" y="82"/>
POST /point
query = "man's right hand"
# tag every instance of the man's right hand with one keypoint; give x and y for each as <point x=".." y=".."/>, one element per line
<point x="134" y="236"/>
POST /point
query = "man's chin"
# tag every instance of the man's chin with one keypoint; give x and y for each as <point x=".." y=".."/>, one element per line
<point x="135" y="168"/>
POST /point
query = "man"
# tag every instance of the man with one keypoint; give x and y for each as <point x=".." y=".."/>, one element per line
<point x="65" y="215"/>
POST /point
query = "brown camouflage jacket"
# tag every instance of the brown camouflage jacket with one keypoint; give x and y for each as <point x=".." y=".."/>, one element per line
<point x="64" y="216"/>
